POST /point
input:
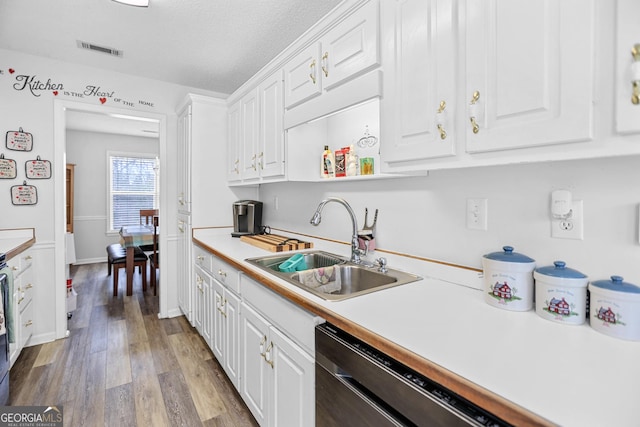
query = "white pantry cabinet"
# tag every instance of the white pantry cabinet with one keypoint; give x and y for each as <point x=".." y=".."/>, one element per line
<point x="627" y="67"/>
<point x="529" y="73"/>
<point x="277" y="362"/>
<point x="419" y="101"/>
<point x="342" y="53"/>
<point x="201" y="134"/>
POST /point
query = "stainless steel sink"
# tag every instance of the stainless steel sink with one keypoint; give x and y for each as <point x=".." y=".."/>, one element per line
<point x="355" y="279"/>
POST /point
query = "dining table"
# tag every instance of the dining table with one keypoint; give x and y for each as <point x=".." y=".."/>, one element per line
<point x="130" y="237"/>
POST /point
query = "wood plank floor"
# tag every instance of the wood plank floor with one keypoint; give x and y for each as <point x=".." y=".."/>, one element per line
<point x="122" y="366"/>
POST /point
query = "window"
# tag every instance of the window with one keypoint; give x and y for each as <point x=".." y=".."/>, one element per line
<point x="133" y="185"/>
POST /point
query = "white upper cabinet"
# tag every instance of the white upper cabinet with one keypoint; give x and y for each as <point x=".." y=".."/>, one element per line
<point x="345" y="51"/>
<point x="256" y="134"/>
<point x="271" y="134"/>
<point x="627" y="66"/>
<point x="250" y="125"/>
<point x="529" y="73"/>
<point x="234" y="142"/>
<point x="419" y="79"/>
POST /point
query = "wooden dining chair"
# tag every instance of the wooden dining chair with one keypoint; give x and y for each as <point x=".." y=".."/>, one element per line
<point x="154" y="258"/>
<point x="146" y="218"/>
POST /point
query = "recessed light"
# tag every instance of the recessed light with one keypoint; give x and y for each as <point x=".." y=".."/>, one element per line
<point x="137" y="3"/>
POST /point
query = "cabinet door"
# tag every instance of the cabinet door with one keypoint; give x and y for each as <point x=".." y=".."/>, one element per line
<point x="207" y="309"/>
<point x="26" y="324"/>
<point x="293" y="402"/>
<point x="256" y="375"/>
<point x="249" y="145"/>
<point x="302" y="77"/>
<point x="219" y="322"/>
<point x="232" y="338"/>
<point x="234" y="141"/>
<point x="531" y="64"/>
<point x="184" y="160"/>
<point x="351" y="47"/>
<point x="198" y="299"/>
<point x="420" y="80"/>
<point x="627" y="66"/>
<point x="184" y="266"/>
<point x="271" y="142"/>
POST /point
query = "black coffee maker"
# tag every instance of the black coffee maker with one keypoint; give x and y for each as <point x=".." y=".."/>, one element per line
<point x="247" y="218"/>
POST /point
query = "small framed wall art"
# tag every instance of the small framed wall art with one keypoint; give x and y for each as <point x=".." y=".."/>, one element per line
<point x="38" y="169"/>
<point x="19" y="140"/>
<point x="24" y="194"/>
<point x="7" y="168"/>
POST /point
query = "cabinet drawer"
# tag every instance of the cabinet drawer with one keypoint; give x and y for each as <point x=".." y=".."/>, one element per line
<point x="20" y="263"/>
<point x="225" y="274"/>
<point x="297" y="323"/>
<point x="202" y="258"/>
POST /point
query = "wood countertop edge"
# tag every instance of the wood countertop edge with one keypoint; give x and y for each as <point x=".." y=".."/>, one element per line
<point x="499" y="406"/>
<point x="19" y="249"/>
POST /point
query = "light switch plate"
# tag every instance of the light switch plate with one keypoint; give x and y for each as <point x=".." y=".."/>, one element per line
<point x="477" y="214"/>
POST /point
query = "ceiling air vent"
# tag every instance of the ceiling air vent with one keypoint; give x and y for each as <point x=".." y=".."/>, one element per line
<point x="96" y="48"/>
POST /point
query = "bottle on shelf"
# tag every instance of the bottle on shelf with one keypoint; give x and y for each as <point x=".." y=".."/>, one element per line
<point x="327" y="166"/>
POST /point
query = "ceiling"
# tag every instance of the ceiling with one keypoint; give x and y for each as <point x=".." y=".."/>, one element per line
<point x="214" y="45"/>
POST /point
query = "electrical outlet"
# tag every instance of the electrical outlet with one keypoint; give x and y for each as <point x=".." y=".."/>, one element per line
<point x="572" y="227"/>
<point x="477" y="214"/>
<point x="275" y="202"/>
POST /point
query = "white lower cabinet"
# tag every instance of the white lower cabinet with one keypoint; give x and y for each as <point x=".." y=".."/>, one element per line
<point x="264" y="343"/>
<point x="23" y="290"/>
<point x="277" y="352"/>
<point x="202" y="313"/>
<point x="278" y="375"/>
<point x="225" y="342"/>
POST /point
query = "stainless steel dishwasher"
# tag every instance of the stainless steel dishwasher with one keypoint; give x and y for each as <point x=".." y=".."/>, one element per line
<point x="357" y="385"/>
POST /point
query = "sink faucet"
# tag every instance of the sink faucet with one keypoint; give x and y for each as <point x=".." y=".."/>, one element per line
<point x="315" y="220"/>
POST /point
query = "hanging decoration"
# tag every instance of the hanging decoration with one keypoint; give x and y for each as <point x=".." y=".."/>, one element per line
<point x="19" y="140"/>
<point x="24" y="194"/>
<point x="38" y="169"/>
<point x="8" y="168"/>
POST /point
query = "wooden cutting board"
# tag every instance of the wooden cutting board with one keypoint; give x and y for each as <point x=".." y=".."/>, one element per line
<point x="276" y="243"/>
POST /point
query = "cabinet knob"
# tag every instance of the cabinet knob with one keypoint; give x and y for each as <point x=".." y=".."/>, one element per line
<point x="635" y="74"/>
<point x="222" y="273"/>
<point x="29" y="286"/>
<point x="473" y="111"/>
<point x="440" y="119"/>
<point x="325" y="64"/>
<point x="312" y="74"/>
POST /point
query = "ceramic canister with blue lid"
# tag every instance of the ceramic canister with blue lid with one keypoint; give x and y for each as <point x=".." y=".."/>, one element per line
<point x="508" y="279"/>
<point x="561" y="294"/>
<point x="615" y="308"/>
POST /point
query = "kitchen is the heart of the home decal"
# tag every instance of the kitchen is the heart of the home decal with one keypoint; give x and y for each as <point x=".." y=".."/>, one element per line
<point x="36" y="86"/>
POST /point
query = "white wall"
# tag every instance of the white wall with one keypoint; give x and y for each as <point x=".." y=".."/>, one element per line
<point x="88" y="151"/>
<point x="426" y="215"/>
<point x="34" y="112"/>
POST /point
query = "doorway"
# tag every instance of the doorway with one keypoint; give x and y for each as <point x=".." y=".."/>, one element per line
<point x="97" y="118"/>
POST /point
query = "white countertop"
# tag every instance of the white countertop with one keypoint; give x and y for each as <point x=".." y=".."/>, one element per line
<point x="12" y="239"/>
<point x="568" y="374"/>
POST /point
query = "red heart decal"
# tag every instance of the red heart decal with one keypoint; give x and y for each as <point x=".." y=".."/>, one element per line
<point x="103" y="100"/>
<point x="55" y="93"/>
<point x="11" y="71"/>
